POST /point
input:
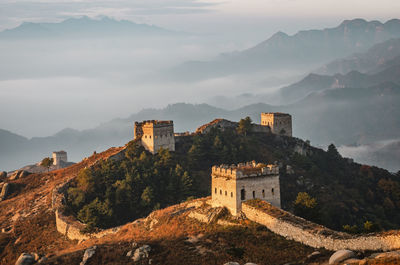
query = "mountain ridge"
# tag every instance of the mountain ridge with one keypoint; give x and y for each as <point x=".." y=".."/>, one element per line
<point x="83" y="27"/>
<point x="305" y="49"/>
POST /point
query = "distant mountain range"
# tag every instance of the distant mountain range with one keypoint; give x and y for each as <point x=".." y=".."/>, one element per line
<point x="357" y="106"/>
<point x="375" y="59"/>
<point x="380" y="70"/>
<point x="304" y="50"/>
<point x="83" y="27"/>
<point x="341" y="115"/>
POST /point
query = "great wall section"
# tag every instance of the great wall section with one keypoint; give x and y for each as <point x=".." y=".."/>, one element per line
<point x="275" y="219"/>
<point x="69" y="226"/>
<point x="298" y="229"/>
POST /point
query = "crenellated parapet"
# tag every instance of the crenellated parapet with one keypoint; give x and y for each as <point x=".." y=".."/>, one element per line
<point x="244" y="170"/>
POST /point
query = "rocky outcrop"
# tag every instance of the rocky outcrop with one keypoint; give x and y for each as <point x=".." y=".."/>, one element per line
<point x="88" y="254"/>
<point x="141" y="253"/>
<point x="4" y="191"/>
<point x="27" y="259"/>
<point x="18" y="174"/>
<point x="3" y="175"/>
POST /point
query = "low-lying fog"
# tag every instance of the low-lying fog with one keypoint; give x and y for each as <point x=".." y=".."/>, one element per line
<point x="48" y="85"/>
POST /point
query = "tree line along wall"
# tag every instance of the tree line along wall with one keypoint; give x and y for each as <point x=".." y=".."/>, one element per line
<point x="69" y="226"/>
<point x="298" y="229"/>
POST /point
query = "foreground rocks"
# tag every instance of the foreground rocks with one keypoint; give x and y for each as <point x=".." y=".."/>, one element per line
<point x="88" y="254"/>
<point x="18" y="174"/>
<point x="236" y="263"/>
<point x="141" y="252"/>
<point x="348" y="257"/>
<point x="28" y="259"/>
<point x="4" y="191"/>
<point x="341" y="255"/>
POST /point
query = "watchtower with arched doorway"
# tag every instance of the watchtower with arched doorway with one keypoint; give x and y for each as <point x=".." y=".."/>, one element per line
<point x="234" y="184"/>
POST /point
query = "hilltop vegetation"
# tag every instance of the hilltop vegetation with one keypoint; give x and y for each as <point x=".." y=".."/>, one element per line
<point x="346" y="194"/>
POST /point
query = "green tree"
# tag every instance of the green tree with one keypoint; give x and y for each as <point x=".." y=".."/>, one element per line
<point x="333" y="152"/>
<point x="147" y="196"/>
<point x="370" y="226"/>
<point x="85" y="180"/>
<point x="351" y="229"/>
<point x="244" y="126"/>
<point x="47" y="162"/>
<point x="306" y="206"/>
<point x="187" y="185"/>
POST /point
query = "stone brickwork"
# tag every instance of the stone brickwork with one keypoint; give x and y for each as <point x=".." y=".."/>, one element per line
<point x="68" y="225"/>
<point x="280" y="123"/>
<point x="155" y="135"/>
<point x="231" y="185"/>
<point x="59" y="157"/>
<point x="296" y="228"/>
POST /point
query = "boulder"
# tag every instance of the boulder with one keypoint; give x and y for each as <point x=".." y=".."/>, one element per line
<point x="42" y="259"/>
<point x="232" y="263"/>
<point x="4" y="191"/>
<point x="391" y="254"/>
<point x="352" y="261"/>
<point x="3" y="175"/>
<point x="313" y="255"/>
<point x="249" y="263"/>
<point x="25" y="259"/>
<point x="142" y="252"/>
<point x="22" y="174"/>
<point x="14" y="175"/>
<point x="35" y="256"/>
<point x="341" y="255"/>
<point x="88" y="254"/>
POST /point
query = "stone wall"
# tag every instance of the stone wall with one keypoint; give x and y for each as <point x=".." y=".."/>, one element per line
<point x="293" y="227"/>
<point x="223" y="124"/>
<point x="68" y="225"/>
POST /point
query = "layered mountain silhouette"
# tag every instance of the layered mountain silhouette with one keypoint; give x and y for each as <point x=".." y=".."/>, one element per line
<point x="375" y="59"/>
<point x="341" y="115"/>
<point x="304" y="50"/>
<point x="355" y="106"/>
<point x="315" y="82"/>
<point x="83" y="27"/>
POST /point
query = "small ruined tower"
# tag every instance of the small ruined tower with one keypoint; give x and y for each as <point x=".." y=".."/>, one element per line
<point x="155" y="134"/>
<point x="280" y="123"/>
<point x="59" y="157"/>
<point x="233" y="184"/>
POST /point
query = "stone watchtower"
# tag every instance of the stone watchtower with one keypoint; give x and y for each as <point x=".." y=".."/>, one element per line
<point x="59" y="157"/>
<point x="155" y="134"/>
<point x="234" y="184"/>
<point x="280" y="123"/>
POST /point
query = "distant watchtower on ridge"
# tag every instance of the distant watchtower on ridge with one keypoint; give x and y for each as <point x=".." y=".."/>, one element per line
<point x="59" y="157"/>
<point x="155" y="134"/>
<point x="280" y="123"/>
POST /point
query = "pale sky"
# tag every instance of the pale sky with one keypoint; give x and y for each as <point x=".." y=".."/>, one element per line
<point x="206" y="17"/>
<point x="222" y="26"/>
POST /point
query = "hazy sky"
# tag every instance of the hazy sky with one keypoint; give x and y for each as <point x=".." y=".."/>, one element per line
<point x="212" y="17"/>
<point x="46" y="87"/>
